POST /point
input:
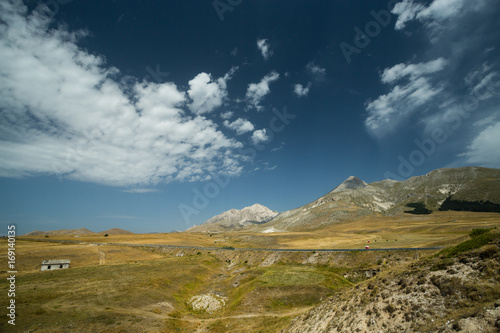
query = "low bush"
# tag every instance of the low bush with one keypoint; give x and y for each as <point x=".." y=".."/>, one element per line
<point x="442" y="265"/>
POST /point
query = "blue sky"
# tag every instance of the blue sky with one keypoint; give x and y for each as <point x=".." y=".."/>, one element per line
<point x="155" y="116"/>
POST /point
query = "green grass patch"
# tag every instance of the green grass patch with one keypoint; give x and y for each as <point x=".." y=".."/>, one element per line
<point x="282" y="287"/>
<point x="291" y="276"/>
<point x="479" y="240"/>
<point x="479" y="231"/>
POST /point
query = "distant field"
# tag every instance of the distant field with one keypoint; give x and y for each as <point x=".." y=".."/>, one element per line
<point x="437" y="229"/>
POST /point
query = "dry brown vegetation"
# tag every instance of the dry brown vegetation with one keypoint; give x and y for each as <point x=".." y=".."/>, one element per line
<point x="141" y="290"/>
<point x="404" y="230"/>
<point x="148" y="289"/>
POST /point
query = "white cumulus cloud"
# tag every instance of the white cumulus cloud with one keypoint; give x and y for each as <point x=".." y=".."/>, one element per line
<point x="438" y="12"/>
<point x="66" y="113"/>
<point x="300" y="90"/>
<point x="240" y="125"/>
<point x="483" y="150"/>
<point x="385" y="112"/>
<point x="227" y="115"/>
<point x="259" y="136"/>
<point x="317" y="72"/>
<point x="257" y="91"/>
<point x="414" y="71"/>
<point x="457" y="92"/>
<point x="264" y="48"/>
<point x="406" y="10"/>
<point x="208" y="94"/>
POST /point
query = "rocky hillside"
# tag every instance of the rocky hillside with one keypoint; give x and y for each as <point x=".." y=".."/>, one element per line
<point x="354" y="198"/>
<point x="235" y="219"/>
<point x="448" y="293"/>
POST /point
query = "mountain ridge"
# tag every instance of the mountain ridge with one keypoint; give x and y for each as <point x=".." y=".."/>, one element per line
<point x="234" y="219"/>
<point x="355" y="198"/>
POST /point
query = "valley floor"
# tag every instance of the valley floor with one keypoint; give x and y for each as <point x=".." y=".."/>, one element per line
<point x="118" y="288"/>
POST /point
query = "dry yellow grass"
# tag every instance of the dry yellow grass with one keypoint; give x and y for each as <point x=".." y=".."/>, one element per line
<point x="161" y="238"/>
<point x="119" y="288"/>
<point x="30" y="254"/>
<point x="437" y="229"/>
<point x="139" y="291"/>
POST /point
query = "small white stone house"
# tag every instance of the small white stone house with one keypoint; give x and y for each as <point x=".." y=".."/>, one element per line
<point x="50" y="265"/>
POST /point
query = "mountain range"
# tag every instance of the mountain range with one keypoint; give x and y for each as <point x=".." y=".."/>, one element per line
<point x="78" y="232"/>
<point x="355" y="198"/>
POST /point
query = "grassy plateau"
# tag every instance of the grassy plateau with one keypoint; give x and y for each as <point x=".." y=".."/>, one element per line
<point x="118" y="288"/>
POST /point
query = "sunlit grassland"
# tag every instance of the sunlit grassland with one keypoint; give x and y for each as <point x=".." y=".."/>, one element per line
<point x="406" y="230"/>
<point x="143" y="290"/>
<point x="140" y="291"/>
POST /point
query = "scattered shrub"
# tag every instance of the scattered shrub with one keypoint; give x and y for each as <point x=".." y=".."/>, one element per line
<point x="471" y="244"/>
<point x="390" y="308"/>
<point x="442" y="265"/>
<point x="478" y="231"/>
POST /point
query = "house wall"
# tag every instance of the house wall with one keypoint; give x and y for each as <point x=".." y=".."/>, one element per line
<point x="51" y="267"/>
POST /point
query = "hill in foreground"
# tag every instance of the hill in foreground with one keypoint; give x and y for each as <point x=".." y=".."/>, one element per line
<point x="458" y="290"/>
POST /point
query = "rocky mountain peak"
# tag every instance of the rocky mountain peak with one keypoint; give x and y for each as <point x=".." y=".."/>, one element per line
<point x="350" y="183"/>
<point x="249" y="215"/>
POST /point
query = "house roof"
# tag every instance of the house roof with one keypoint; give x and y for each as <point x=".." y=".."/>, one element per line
<point x="56" y="262"/>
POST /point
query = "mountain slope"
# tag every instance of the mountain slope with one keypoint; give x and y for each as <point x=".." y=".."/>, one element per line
<point x="115" y="231"/>
<point x="354" y="198"/>
<point x="68" y="232"/>
<point x="236" y="219"/>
